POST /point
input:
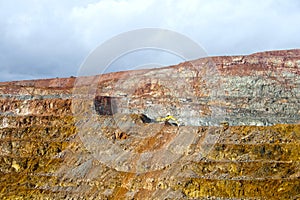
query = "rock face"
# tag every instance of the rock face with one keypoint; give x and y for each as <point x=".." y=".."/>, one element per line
<point x="99" y="138"/>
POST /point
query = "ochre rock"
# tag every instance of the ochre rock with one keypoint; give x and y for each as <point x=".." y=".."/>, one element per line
<point x="87" y="137"/>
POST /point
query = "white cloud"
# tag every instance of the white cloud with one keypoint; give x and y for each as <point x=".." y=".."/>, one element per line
<point x="49" y="38"/>
<point x="99" y="21"/>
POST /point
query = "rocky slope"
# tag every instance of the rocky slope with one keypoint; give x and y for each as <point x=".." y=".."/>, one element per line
<point x="87" y="137"/>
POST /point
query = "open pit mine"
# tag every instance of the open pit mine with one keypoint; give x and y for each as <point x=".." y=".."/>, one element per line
<point x="223" y="127"/>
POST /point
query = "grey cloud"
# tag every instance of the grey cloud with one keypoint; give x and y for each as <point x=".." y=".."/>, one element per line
<point x="51" y="38"/>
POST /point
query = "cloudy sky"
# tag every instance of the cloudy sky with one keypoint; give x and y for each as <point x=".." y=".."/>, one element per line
<point x="51" y="38"/>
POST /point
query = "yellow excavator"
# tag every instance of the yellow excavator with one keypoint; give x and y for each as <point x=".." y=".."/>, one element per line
<point x="169" y="119"/>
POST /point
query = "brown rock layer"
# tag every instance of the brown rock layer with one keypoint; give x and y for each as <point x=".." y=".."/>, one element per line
<point x="55" y="144"/>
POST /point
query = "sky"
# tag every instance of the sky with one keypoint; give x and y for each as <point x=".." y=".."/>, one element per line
<point x="52" y="38"/>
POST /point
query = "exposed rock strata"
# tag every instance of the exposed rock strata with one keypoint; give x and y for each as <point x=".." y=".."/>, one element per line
<point x="45" y="154"/>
